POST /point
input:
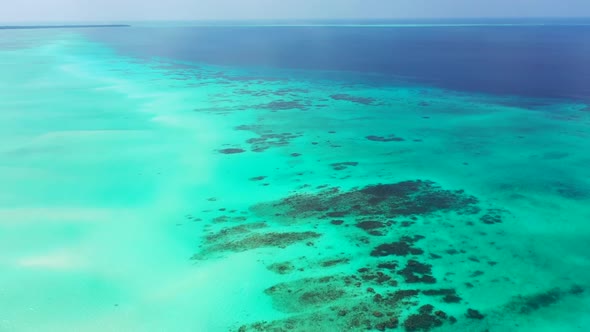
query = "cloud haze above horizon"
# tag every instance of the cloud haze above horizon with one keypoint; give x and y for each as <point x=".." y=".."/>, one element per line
<point x="131" y="10"/>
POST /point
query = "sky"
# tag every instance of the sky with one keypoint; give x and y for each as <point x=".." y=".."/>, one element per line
<point x="133" y="10"/>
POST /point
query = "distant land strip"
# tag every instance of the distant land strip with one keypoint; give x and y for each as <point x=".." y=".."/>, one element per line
<point x="15" y="27"/>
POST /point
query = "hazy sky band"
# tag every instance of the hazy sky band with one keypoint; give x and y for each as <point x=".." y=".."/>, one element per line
<point x="122" y="10"/>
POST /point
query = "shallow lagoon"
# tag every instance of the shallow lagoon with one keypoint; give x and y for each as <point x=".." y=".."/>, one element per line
<point x="146" y="195"/>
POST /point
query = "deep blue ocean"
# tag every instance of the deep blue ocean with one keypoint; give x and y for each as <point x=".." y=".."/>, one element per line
<point x="537" y="58"/>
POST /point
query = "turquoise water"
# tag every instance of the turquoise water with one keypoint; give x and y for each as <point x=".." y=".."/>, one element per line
<point x="147" y="196"/>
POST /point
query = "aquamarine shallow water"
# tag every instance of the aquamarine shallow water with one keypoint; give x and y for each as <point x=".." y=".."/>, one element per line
<point x="146" y="196"/>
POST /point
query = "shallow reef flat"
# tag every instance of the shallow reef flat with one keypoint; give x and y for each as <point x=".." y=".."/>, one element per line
<point x="152" y="195"/>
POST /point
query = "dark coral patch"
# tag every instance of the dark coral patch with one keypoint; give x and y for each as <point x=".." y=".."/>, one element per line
<point x="538" y="301"/>
<point x="227" y="233"/>
<point x="280" y="105"/>
<point x="403" y="294"/>
<point x="231" y="151"/>
<point x="389" y="265"/>
<point x="416" y="272"/>
<point x="437" y="292"/>
<point x="526" y="304"/>
<point x="474" y="314"/>
<point x="266" y="138"/>
<point x="354" y="99"/>
<point x="333" y="262"/>
<point x="273" y="239"/>
<point x="451" y="298"/>
<point x="476" y="274"/>
<point x="377" y="277"/>
<point x="343" y="165"/>
<point x="281" y="268"/>
<point x="258" y="178"/>
<point x="492" y="216"/>
<point x="252" y="240"/>
<point x="452" y="251"/>
<point x="336" y="303"/>
<point x="403" y="247"/>
<point x="389" y="138"/>
<point x="406" y="198"/>
<point x="576" y="191"/>
<point x="279" y="92"/>
<point x="369" y="225"/>
<point x="396" y="249"/>
<point x="320" y="296"/>
<point x="576" y="289"/>
<point x="266" y="141"/>
<point x="304" y="294"/>
<point x="336" y="214"/>
<point x="340" y="303"/>
<point x="400" y="189"/>
<point x="246" y="78"/>
<point x="424" y="320"/>
<point x="224" y="219"/>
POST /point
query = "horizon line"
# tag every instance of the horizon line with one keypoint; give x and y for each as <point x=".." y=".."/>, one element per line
<point x="109" y="21"/>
